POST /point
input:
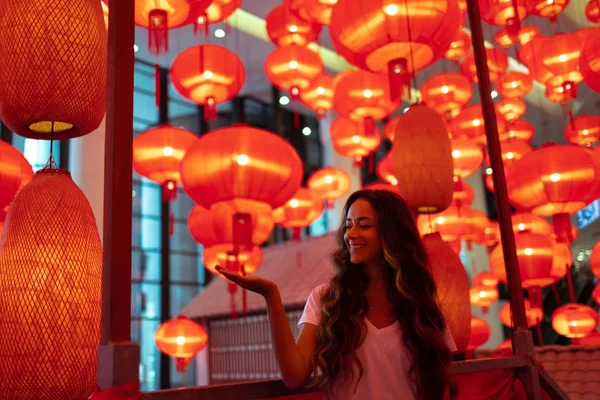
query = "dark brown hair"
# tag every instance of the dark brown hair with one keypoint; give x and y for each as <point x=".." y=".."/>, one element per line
<point x="410" y="289"/>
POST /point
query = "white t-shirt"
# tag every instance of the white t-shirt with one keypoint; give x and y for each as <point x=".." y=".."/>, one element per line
<point x="384" y="359"/>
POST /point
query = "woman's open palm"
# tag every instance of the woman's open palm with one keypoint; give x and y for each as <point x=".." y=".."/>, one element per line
<point x="254" y="284"/>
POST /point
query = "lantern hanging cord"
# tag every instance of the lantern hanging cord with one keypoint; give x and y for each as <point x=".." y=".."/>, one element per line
<point x="51" y="163"/>
<point x="410" y="44"/>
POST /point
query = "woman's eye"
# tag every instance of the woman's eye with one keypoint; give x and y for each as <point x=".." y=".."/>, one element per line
<point x="365" y="226"/>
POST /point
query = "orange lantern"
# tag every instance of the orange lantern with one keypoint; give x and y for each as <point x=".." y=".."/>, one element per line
<point x="592" y="11"/>
<point x="511" y="109"/>
<point x="157" y="155"/>
<point x="285" y="28"/>
<point x="485" y="278"/>
<point x="497" y="62"/>
<point x="463" y="195"/>
<point x="583" y="130"/>
<point x="525" y="35"/>
<point x="574" y="320"/>
<point x="317" y="11"/>
<point x="105" y="12"/>
<point x="469" y="124"/>
<point x="480" y="333"/>
<point x="512" y="150"/>
<point x="381" y="186"/>
<point x="588" y="60"/>
<point x="424" y="173"/>
<point x="505" y="13"/>
<point x="350" y="138"/>
<point x="180" y="338"/>
<point x="292" y="68"/>
<point x="394" y="37"/>
<point x="563" y="258"/>
<point x="318" y="96"/>
<point x="468" y="157"/>
<point x="595" y="292"/>
<point x="459" y="46"/>
<point x="385" y="170"/>
<point x="51" y="260"/>
<point x="520" y="129"/>
<point x="53" y="73"/>
<point x="483" y="296"/>
<point x="452" y="287"/>
<point x="530" y="55"/>
<point x="455" y="224"/>
<point x="329" y="183"/>
<point x="525" y="222"/>
<point x="208" y="12"/>
<point x="534" y="315"/>
<point x="389" y="129"/>
<point x="300" y="211"/>
<point x="534" y="253"/>
<point x="549" y="9"/>
<point x="503" y="38"/>
<point x="363" y="96"/>
<point x="556" y="181"/>
<point x="222" y="254"/>
<point x="208" y="75"/>
<point x="446" y="93"/>
<point x="15" y="173"/>
<point x="489" y="237"/>
<point x="201" y="226"/>
<point x="514" y="84"/>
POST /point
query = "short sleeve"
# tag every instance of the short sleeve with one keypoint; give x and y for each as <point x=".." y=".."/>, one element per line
<point x="312" y="309"/>
<point x="449" y="340"/>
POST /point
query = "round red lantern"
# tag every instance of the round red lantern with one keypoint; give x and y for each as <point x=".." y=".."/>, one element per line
<point x="489" y="237"/>
<point x="520" y="130"/>
<point x="530" y="55"/>
<point x="483" y="296"/>
<point x="592" y="11"/>
<point x="485" y="278"/>
<point x="318" y="95"/>
<point x="514" y="84"/>
<point x="350" y="138"/>
<point x="534" y="315"/>
<point x="525" y="222"/>
<point x="480" y="333"/>
<point x="329" y="183"/>
<point x="505" y="13"/>
<point x="212" y="11"/>
<point x="512" y="150"/>
<point x="180" y="338"/>
<point x="446" y="93"/>
<point x="286" y="28"/>
<point x="467" y="156"/>
<point x="511" y="109"/>
<point x="463" y="195"/>
<point x="222" y="254"/>
<point x="389" y="129"/>
<point x="316" y="11"/>
<point x="497" y="62"/>
<point x="583" y="130"/>
<point x="157" y="155"/>
<point x="53" y="73"/>
<point x="455" y="224"/>
<point x="208" y="75"/>
<point x="385" y="169"/>
<point x="459" y="46"/>
<point x="574" y="320"/>
<point x="588" y="60"/>
<point x="158" y="17"/>
<point x="300" y="211"/>
<point x="15" y="173"/>
<point x="293" y="68"/>
<point x="525" y="35"/>
<point x="469" y="124"/>
<point x="563" y="258"/>
<point x="201" y="226"/>
<point x="549" y="8"/>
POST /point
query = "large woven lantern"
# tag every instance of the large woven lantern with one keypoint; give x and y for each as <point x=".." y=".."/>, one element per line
<point x="589" y="57"/>
<point x="583" y="130"/>
<point x="15" y="172"/>
<point x="293" y="68"/>
<point x="286" y="28"/>
<point x="574" y="320"/>
<point x="329" y="183"/>
<point x="180" y="338"/>
<point x="53" y="70"/>
<point x="318" y="95"/>
<point x="446" y="93"/>
<point x="497" y="62"/>
<point x="393" y="36"/>
<point x="50" y="292"/>
<point x="350" y="138"/>
<point x="157" y="155"/>
<point x="221" y="254"/>
<point x="207" y="75"/>
<point x="514" y="84"/>
<point x="452" y="287"/>
<point x="422" y="160"/>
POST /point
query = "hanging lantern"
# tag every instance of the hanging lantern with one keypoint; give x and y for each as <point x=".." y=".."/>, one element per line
<point x="389" y="129"/>
<point x="208" y="12"/>
<point x="363" y="97"/>
<point x="455" y="224"/>
<point x="469" y="124"/>
<point x="317" y="11"/>
<point x="459" y="46"/>
<point x="318" y="95"/>
<point x="207" y="75"/>
<point x="201" y="226"/>
<point x="483" y="296"/>
<point x="563" y="258"/>
<point x="446" y="93"/>
<point x="51" y="260"/>
<point x="514" y="84"/>
<point x="497" y="62"/>
<point x="485" y="278"/>
<point x="505" y="13"/>
<point x="574" y="320"/>
<point x="53" y="70"/>
<point x="549" y="8"/>
<point x="221" y="254"/>
<point x="592" y="11"/>
<point x="530" y="54"/>
<point x="285" y="28"/>
<point x="556" y="181"/>
<point x="589" y="64"/>
<point x="595" y="260"/>
<point x="300" y="211"/>
<point x="422" y="160"/>
<point x="381" y="186"/>
<point x="534" y="253"/>
<point x="512" y="150"/>
<point x="525" y="222"/>
<point x="452" y="287"/>
<point x="387" y="37"/>
<point x="467" y="156"/>
<point x="519" y="130"/>
<point x="534" y="315"/>
<point x="511" y="109"/>
<point x="595" y="293"/>
<point x="480" y="333"/>
<point x="157" y="155"/>
<point x="463" y="195"/>
<point x="504" y="39"/>
<point x="180" y="338"/>
<point x="293" y="68"/>
<point x="583" y="130"/>
<point x="350" y="139"/>
<point x="489" y="238"/>
<point x="329" y="183"/>
<point x="525" y="35"/>
<point x="15" y="173"/>
<point x="385" y="169"/>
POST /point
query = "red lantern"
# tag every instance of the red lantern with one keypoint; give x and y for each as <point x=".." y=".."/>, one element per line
<point x="389" y="129"/>
<point x="469" y="124"/>
<point x="525" y="222"/>
<point x="583" y="130"/>
<point x="520" y="130"/>
<point x="459" y="46"/>
<point x="525" y="35"/>
<point x="385" y="37"/>
<point x="350" y="139"/>
<point x="463" y="195"/>
<point x="316" y="11"/>
<point x="208" y="12"/>
<point x="180" y="338"/>
<point x="329" y="183"/>
<point x="589" y="64"/>
<point x="221" y="254"/>
<point x="318" y="96"/>
<point x="385" y="170"/>
<point x="505" y="13"/>
<point x="201" y="227"/>
<point x="446" y="93"/>
<point x="489" y="238"/>
<point x="514" y="84"/>
<point x="293" y="68"/>
<point x="574" y="320"/>
<point x="455" y="224"/>
<point x="480" y="333"/>
<point x="530" y="55"/>
<point x="595" y="260"/>
<point x="468" y="157"/>
<point x="592" y="11"/>
<point x="485" y="278"/>
<point x="497" y="62"/>
<point x="560" y="54"/>
<point x="157" y="155"/>
<point x="512" y="150"/>
<point x="53" y="70"/>
<point x="483" y="296"/>
<point x="549" y="9"/>
<point x="286" y="28"/>
<point x="563" y="258"/>
<point x="511" y="109"/>
<point x="534" y="315"/>
<point x="300" y="211"/>
<point x="207" y="75"/>
<point x="381" y="186"/>
<point x="15" y="173"/>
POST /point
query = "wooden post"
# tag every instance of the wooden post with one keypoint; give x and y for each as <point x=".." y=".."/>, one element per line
<point x="118" y="357"/>
<point x="522" y="339"/>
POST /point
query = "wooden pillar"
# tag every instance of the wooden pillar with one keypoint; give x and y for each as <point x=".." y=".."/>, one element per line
<point x="118" y="357"/>
<point x="522" y="339"/>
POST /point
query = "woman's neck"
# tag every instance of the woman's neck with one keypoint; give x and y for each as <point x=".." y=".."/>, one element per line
<point x="375" y="272"/>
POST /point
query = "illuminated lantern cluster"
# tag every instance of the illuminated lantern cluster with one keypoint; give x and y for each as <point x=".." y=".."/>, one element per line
<point x="300" y="211"/>
<point x="293" y="68"/>
<point x="329" y="184"/>
<point x="525" y="35"/>
<point x="574" y="320"/>
<point x="497" y="62"/>
<point x="459" y="46"/>
<point x="588" y="61"/>
<point x="583" y="130"/>
<point x="318" y="95"/>
<point x="207" y="75"/>
<point x="285" y="28"/>
<point x="180" y="338"/>
<point x="446" y="93"/>
<point x="469" y="124"/>
<point x="350" y="138"/>
<point x="206" y="12"/>
<point x="455" y="224"/>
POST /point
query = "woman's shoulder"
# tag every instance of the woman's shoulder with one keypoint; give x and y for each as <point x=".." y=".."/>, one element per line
<point x="320" y="290"/>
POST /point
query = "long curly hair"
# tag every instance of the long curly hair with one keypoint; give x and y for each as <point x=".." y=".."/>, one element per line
<point x="410" y="289"/>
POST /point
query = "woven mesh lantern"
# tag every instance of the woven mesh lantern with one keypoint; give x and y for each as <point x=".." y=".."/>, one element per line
<point x="53" y="70"/>
<point x="50" y="292"/>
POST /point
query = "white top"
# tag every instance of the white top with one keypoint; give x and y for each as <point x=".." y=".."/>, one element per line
<point x="384" y="359"/>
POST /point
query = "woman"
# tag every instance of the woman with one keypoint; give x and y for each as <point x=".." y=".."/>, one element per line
<point x="375" y="331"/>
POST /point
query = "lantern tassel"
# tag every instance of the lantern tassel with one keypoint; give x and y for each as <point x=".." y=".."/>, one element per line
<point x="539" y="333"/>
<point x="570" y="284"/>
<point x="556" y="293"/>
<point x="158" y="32"/>
<point x="244" y="297"/>
<point x="321" y="114"/>
<point x="201" y="22"/>
<point x="210" y="109"/>
<point x="399" y="79"/>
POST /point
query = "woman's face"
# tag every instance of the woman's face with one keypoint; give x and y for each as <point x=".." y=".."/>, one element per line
<point x="361" y="235"/>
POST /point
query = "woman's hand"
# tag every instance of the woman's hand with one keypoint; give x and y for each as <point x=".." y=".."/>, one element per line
<point x="254" y="284"/>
